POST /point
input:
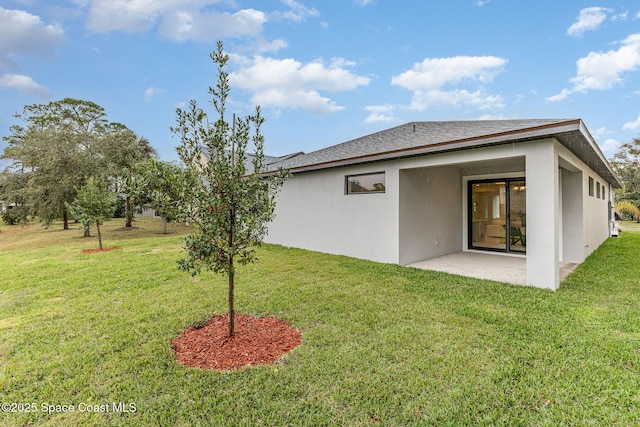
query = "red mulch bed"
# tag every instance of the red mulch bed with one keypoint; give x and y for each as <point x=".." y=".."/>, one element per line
<point x="256" y="341"/>
<point x="93" y="251"/>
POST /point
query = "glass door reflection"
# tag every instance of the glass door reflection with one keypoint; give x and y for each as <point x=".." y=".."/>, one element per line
<point x="498" y="215"/>
<point x="517" y="216"/>
<point x="489" y="215"/>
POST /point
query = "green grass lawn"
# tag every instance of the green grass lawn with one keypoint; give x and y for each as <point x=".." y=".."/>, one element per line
<point x="381" y="344"/>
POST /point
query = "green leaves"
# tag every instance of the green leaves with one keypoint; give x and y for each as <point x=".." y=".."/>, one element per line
<point x="626" y="163"/>
<point x="61" y="143"/>
<point x="162" y="184"/>
<point x="94" y="204"/>
<point x="228" y="198"/>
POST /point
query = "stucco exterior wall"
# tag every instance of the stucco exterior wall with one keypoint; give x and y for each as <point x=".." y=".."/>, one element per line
<point x="572" y="215"/>
<point x="543" y="209"/>
<point x="430" y="203"/>
<point x="595" y="227"/>
<point x="313" y="212"/>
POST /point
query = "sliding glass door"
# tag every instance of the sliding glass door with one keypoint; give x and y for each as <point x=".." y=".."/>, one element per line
<point x="517" y="216"/>
<point x="497" y="215"/>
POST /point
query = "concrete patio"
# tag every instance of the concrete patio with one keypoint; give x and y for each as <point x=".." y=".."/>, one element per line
<point x="498" y="267"/>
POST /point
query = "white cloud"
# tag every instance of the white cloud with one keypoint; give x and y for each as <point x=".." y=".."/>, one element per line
<point x="363" y="3"/>
<point x="480" y="3"/>
<point x="609" y="147"/>
<point x="261" y="45"/>
<point x="620" y="17"/>
<point x="433" y="73"/>
<point x="428" y="79"/>
<point x="493" y="117"/>
<point x="589" y="19"/>
<point x="298" y="12"/>
<point x="24" y="33"/>
<point x="601" y="132"/>
<point x="131" y="15"/>
<point x="175" y="19"/>
<point x="380" y="113"/>
<point x="151" y="93"/>
<point x="287" y="83"/>
<point x="564" y="93"/>
<point x="454" y="98"/>
<point x="632" y="125"/>
<point x="23" y="84"/>
<point x="186" y="19"/>
<point x="181" y="25"/>
<point x="604" y="70"/>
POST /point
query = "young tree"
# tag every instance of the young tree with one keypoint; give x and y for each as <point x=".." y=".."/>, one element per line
<point x="161" y="182"/>
<point x="93" y="205"/>
<point x="228" y="199"/>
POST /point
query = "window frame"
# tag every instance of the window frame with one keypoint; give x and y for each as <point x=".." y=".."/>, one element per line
<point x="349" y="193"/>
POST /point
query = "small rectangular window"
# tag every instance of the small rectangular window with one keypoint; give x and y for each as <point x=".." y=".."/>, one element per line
<point x="604" y="196"/>
<point x="598" y="190"/>
<point x="591" y="186"/>
<point x="365" y="183"/>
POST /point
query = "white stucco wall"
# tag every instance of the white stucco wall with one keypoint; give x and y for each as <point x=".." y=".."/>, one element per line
<point x="313" y="212"/>
<point x="430" y="203"/>
<point x="543" y="209"/>
<point x="595" y="227"/>
<point x="572" y="226"/>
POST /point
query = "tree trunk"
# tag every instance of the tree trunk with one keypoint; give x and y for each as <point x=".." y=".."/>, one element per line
<point x="231" y="284"/>
<point x="87" y="231"/>
<point x="231" y="271"/>
<point x="164" y="225"/>
<point x="127" y="212"/>
<point x="65" y="218"/>
<point x="99" y="236"/>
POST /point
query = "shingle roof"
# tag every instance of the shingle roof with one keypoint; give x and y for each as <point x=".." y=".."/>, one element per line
<point x="419" y="138"/>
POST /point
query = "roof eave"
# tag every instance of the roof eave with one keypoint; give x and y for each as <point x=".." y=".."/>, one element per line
<point x="553" y="130"/>
<point x="455" y="145"/>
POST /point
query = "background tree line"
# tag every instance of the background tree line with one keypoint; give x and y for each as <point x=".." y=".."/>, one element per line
<point x="60" y="147"/>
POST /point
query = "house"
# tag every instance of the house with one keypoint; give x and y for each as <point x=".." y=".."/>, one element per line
<point x="538" y="192"/>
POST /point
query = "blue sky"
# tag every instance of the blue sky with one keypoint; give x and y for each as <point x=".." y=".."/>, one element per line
<point x="328" y="71"/>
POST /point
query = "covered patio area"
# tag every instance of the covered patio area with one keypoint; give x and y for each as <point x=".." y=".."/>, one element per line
<point x="501" y="268"/>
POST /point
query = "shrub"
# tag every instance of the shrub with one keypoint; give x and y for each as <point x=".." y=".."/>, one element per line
<point x="628" y="210"/>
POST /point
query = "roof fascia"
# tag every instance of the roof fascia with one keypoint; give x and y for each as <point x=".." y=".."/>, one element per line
<point x="454" y="145"/>
<point x="596" y="148"/>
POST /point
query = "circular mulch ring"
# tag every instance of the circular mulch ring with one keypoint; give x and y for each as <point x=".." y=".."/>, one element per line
<point x="93" y="251"/>
<point x="256" y="341"/>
